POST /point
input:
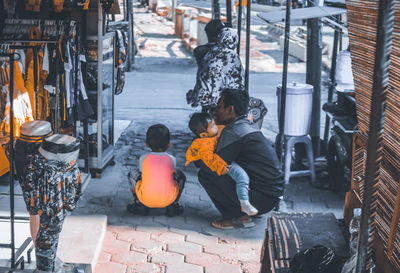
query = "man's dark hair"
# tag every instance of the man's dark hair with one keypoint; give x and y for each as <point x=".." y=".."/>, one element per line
<point x="238" y="98"/>
<point x="213" y="29"/>
<point x="198" y="122"/>
<point x="158" y="137"/>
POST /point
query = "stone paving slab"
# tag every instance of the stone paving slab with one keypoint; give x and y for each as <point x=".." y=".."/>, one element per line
<point x="75" y="234"/>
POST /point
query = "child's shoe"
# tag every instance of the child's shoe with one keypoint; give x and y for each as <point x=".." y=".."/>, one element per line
<point x="174" y="210"/>
<point x="137" y="209"/>
<point x="248" y="208"/>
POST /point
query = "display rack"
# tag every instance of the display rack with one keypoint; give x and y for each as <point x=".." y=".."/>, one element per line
<point x="17" y="259"/>
<point x="101" y="73"/>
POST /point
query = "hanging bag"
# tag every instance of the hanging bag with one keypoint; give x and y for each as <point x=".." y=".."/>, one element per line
<point x="120" y="59"/>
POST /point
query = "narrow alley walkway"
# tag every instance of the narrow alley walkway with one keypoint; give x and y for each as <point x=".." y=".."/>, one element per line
<point x="155" y="93"/>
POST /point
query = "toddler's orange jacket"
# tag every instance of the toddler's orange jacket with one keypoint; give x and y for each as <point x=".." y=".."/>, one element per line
<point x="204" y="149"/>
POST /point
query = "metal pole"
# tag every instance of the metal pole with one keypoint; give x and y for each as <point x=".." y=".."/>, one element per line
<point x="248" y="25"/>
<point x="314" y="61"/>
<point x="173" y="10"/>
<point x="131" y="37"/>
<point x="216" y="11"/>
<point x="76" y="75"/>
<point x="284" y="74"/>
<point x="376" y="123"/>
<point x="125" y="10"/>
<point x="12" y="214"/>
<point x="332" y="83"/>
<point x="56" y="110"/>
<point x="228" y="13"/>
<point x="239" y="24"/>
<point x="35" y="82"/>
<point x="84" y="69"/>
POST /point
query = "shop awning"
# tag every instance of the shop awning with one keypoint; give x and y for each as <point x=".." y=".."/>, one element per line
<point x="299" y="14"/>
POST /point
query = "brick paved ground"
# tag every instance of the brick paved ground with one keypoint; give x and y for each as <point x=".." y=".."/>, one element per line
<point x="186" y="243"/>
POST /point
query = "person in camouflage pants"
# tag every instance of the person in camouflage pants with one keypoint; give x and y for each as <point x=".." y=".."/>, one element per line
<point x="50" y="189"/>
<point x="47" y="241"/>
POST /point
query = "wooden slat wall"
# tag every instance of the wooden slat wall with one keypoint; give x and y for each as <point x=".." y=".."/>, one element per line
<point x="385" y="213"/>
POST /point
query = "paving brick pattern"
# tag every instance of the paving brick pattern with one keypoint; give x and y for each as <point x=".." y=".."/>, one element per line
<point x="187" y="243"/>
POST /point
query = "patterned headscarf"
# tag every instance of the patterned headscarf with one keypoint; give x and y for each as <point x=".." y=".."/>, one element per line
<point x="221" y="69"/>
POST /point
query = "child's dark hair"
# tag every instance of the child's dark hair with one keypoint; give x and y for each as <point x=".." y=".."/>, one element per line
<point x="199" y="122"/>
<point x="158" y="137"/>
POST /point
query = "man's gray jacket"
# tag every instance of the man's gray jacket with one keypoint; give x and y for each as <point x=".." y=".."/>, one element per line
<point x="242" y="142"/>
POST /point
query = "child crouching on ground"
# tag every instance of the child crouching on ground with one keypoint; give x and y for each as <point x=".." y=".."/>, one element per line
<point x="157" y="183"/>
<point x="203" y="148"/>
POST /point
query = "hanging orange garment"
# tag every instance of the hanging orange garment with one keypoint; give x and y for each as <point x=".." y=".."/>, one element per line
<point x="30" y="83"/>
<point x="244" y="4"/>
<point x="4" y="163"/>
<point x="22" y="109"/>
<point x="58" y="5"/>
<point x="84" y="4"/>
<point x="32" y="5"/>
<point x="43" y="97"/>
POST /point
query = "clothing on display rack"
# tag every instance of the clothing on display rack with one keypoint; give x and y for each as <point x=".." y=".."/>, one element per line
<point x="78" y="3"/>
<point x="120" y="60"/>
<point x="4" y="163"/>
<point x="22" y="105"/>
<point x="52" y="186"/>
<point x="56" y="5"/>
<point x="55" y="69"/>
<point x="43" y="111"/>
<point x="32" y="5"/>
<point x="107" y="5"/>
<point x="9" y="6"/>
<point x="75" y="98"/>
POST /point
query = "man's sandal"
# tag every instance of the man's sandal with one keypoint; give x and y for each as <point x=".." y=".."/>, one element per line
<point x="241" y="222"/>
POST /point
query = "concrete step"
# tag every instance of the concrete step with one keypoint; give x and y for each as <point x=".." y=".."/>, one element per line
<point x="81" y="239"/>
<point x="6" y="270"/>
<point x="22" y="234"/>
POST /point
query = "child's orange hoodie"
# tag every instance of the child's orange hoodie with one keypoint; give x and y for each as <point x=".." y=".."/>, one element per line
<point x="204" y="149"/>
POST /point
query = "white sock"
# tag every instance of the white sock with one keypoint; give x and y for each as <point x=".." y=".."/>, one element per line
<point x="248" y="208"/>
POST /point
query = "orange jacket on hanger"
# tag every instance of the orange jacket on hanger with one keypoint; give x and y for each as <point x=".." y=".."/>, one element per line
<point x="22" y="109"/>
<point x="58" y="5"/>
<point x="4" y="163"/>
<point x="32" y="5"/>
<point x="86" y="5"/>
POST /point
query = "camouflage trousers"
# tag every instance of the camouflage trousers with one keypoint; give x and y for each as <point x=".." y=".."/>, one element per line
<point x="47" y="241"/>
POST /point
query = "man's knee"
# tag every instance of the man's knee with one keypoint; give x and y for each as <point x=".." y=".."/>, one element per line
<point x="263" y="203"/>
